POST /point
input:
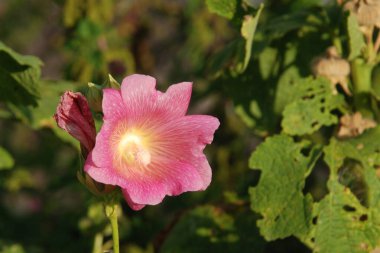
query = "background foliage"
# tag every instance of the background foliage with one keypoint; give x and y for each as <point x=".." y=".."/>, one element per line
<point x="303" y="116"/>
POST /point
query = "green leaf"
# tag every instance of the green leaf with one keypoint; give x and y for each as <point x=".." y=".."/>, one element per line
<point x="278" y="196"/>
<point x="344" y="225"/>
<point x="6" y="160"/>
<point x="362" y="148"/>
<point x="211" y="229"/>
<point x="42" y="116"/>
<point x="268" y="62"/>
<point x="224" y="8"/>
<point x="356" y="39"/>
<point x="19" y="77"/>
<point x="236" y="56"/>
<point x="278" y="26"/>
<point x="312" y="107"/>
<point x="248" y="30"/>
<point x="344" y="221"/>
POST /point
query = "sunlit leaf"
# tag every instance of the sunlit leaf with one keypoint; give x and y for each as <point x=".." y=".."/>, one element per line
<point x="248" y="30"/>
<point x="278" y="197"/>
<point x="19" y="77"/>
<point x="224" y="8"/>
<point x="6" y="160"/>
<point x="312" y="107"/>
<point x="42" y="116"/>
<point x="345" y="222"/>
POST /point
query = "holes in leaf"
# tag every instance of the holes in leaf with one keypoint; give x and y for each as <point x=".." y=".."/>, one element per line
<point x="323" y="100"/>
<point x="314" y="124"/>
<point x="254" y="178"/>
<point x="308" y="97"/>
<point x="349" y="208"/>
<point x="315" y="220"/>
<point x="316" y="182"/>
<point x="309" y="90"/>
<point x="363" y="217"/>
<point x="323" y="109"/>
<point x="305" y="151"/>
<point x="351" y="176"/>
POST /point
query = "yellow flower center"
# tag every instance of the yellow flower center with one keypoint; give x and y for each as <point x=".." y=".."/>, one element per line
<point x="132" y="149"/>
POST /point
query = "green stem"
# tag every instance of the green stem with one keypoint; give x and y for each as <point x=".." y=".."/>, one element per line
<point x="338" y="44"/>
<point x="98" y="243"/>
<point x="111" y="213"/>
<point x="361" y="76"/>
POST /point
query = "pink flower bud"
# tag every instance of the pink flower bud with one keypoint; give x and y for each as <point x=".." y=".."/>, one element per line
<point x="74" y="116"/>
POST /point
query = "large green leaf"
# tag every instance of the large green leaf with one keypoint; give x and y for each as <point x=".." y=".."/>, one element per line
<point x="224" y="8"/>
<point x="278" y="197"/>
<point x="211" y="229"/>
<point x="42" y="116"/>
<point x="312" y="107"/>
<point x="6" y="160"/>
<point x="344" y="221"/>
<point x="343" y="224"/>
<point x="19" y="77"/>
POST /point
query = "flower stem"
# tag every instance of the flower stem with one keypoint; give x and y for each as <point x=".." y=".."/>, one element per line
<point x="361" y="77"/>
<point x="111" y="213"/>
<point x="98" y="243"/>
<point x="377" y="43"/>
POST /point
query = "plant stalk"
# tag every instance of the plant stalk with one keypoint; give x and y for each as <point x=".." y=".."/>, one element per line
<point x="98" y="243"/>
<point x="111" y="213"/>
<point x="361" y="77"/>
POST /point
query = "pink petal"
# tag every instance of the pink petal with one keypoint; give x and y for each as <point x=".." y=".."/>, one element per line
<point x="169" y="179"/>
<point x="105" y="175"/>
<point x="101" y="155"/>
<point x="204" y="170"/>
<point x="113" y="105"/>
<point x="131" y="204"/>
<point x="184" y="139"/>
<point x="175" y="101"/>
<point x="139" y="96"/>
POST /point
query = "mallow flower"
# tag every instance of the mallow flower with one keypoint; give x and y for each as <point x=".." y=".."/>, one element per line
<point x="147" y="144"/>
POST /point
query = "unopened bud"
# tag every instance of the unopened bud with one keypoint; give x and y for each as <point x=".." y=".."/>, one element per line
<point x="74" y="116"/>
<point x="367" y="12"/>
<point x="334" y="68"/>
<point x="354" y="125"/>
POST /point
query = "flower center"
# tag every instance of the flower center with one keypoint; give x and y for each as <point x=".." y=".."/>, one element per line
<point x="133" y="151"/>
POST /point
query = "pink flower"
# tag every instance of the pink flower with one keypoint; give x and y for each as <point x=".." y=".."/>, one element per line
<point x="148" y="146"/>
<point x="74" y="116"/>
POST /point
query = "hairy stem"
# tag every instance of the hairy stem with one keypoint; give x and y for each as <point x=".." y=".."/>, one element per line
<point x="111" y="213"/>
<point x="98" y="243"/>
